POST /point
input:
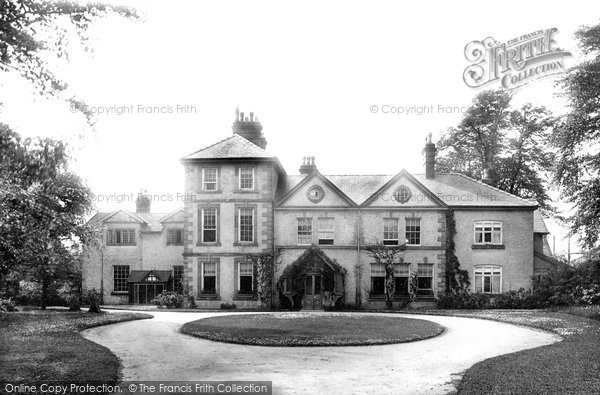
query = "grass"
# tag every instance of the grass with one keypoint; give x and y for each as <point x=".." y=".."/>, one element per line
<point x="571" y="366"/>
<point x="41" y="346"/>
<point x="310" y="329"/>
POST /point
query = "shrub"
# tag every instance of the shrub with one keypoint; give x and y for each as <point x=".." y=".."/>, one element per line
<point x="70" y="296"/>
<point x="93" y="297"/>
<point x="228" y="306"/>
<point x="168" y="299"/>
<point x="343" y="307"/>
<point x="7" y="305"/>
<point x="30" y="293"/>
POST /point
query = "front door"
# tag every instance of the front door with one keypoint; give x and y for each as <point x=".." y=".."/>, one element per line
<point x="144" y="293"/>
<point x="313" y="295"/>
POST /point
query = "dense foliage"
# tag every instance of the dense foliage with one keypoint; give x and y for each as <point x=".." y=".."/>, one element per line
<point x="169" y="300"/>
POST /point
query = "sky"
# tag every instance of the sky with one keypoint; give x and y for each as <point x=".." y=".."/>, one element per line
<point x="312" y="71"/>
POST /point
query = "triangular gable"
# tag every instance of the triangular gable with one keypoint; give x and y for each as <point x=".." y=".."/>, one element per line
<point x="333" y="196"/>
<point x="419" y="195"/>
<point x="123" y="216"/>
<point x="175" y="216"/>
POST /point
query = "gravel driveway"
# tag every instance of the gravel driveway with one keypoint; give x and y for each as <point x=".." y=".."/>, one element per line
<point x="155" y="350"/>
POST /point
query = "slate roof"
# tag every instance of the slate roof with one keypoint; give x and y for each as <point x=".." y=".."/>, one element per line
<point x="539" y="226"/>
<point x="454" y="189"/>
<point x="230" y="148"/>
<point x="152" y="220"/>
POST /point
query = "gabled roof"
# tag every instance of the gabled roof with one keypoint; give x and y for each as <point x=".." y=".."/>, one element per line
<point x="453" y="189"/>
<point x="418" y="184"/>
<point x="233" y="147"/>
<point x="137" y="276"/>
<point x="135" y="216"/>
<point x="170" y="215"/>
<point x="151" y="222"/>
<point x="323" y="179"/>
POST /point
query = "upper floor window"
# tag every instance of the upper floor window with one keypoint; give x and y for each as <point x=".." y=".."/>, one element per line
<point x="488" y="279"/>
<point x="120" y="276"/>
<point x="488" y="232"/>
<point x="326" y="231"/>
<point x="390" y="231"/>
<point x="246" y="221"/>
<point x="304" y="231"/>
<point x="175" y="237"/>
<point x="210" y="179"/>
<point x="246" y="178"/>
<point x="208" y="231"/>
<point x="413" y="231"/>
<point x="120" y="237"/>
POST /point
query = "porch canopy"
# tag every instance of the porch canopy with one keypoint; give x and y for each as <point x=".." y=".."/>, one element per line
<point x="141" y="276"/>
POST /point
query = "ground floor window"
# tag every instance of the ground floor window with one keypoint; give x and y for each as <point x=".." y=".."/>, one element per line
<point x="178" y="278"/>
<point x="120" y="276"/>
<point x="488" y="279"/>
<point x="424" y="279"/>
<point x="377" y="279"/>
<point x="245" y="278"/>
<point x="401" y="276"/>
<point x="209" y="278"/>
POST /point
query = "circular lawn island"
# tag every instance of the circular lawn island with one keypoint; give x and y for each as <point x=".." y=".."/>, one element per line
<point x="312" y="329"/>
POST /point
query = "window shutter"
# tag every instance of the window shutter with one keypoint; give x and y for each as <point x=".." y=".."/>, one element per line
<point x="171" y="236"/>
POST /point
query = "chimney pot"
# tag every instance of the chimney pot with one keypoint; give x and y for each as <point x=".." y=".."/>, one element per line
<point x="308" y="165"/>
<point x="251" y="116"/>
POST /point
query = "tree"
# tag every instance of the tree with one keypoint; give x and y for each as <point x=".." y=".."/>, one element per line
<point x="508" y="146"/>
<point x="577" y="140"/>
<point x="389" y="256"/>
<point x="42" y="211"/>
<point x="30" y="30"/>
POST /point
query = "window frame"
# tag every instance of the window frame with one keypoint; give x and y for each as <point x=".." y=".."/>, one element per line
<point x="121" y="278"/>
<point x="492" y="268"/>
<point x="377" y="274"/>
<point x="252" y="224"/>
<point x="114" y="234"/>
<point x="239" y="277"/>
<point x="172" y="236"/>
<point x="240" y="169"/>
<point x="308" y="234"/>
<point x="331" y="231"/>
<point x="203" y="277"/>
<point x="201" y="211"/>
<point x="398" y="274"/>
<point x="425" y="291"/>
<point x="178" y="278"/>
<point x="204" y="182"/>
<point x="390" y="241"/>
<point x="492" y="225"/>
<point x="408" y="233"/>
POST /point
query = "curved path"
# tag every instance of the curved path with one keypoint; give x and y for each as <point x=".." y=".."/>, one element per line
<point x="155" y="350"/>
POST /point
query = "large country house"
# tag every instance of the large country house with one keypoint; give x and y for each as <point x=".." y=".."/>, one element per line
<point x="241" y="202"/>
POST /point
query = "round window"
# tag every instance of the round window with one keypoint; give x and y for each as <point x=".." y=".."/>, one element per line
<point x="402" y="194"/>
<point x="315" y="194"/>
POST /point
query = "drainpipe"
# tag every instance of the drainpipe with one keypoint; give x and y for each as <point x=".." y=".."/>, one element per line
<point x="358" y="280"/>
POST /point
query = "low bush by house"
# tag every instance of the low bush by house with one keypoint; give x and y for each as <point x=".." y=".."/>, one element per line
<point x="169" y="300"/>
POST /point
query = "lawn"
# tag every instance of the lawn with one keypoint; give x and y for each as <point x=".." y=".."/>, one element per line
<point x="571" y="366"/>
<point x="40" y="346"/>
<point x="310" y="329"/>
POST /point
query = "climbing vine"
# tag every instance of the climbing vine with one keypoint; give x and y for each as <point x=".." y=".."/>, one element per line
<point x="457" y="279"/>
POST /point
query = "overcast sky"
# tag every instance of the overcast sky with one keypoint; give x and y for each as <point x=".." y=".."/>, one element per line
<point x="309" y="70"/>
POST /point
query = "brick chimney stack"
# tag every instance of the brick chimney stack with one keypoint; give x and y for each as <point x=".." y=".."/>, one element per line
<point x="249" y="128"/>
<point x="142" y="202"/>
<point x="308" y="165"/>
<point x="429" y="156"/>
<point x="485" y="177"/>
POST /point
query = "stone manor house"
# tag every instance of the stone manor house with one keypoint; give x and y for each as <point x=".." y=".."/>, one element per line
<point x="245" y="203"/>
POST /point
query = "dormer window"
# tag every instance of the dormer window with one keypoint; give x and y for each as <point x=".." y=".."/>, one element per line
<point x="246" y="179"/>
<point x="151" y="278"/>
<point x="210" y="179"/>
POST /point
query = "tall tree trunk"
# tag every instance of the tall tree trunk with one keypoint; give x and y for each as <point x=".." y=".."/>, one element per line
<point x="44" y="300"/>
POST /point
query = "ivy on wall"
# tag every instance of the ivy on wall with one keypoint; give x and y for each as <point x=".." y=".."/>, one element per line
<point x="457" y="279"/>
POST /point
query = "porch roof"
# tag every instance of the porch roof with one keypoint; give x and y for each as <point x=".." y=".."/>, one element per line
<point x="138" y="276"/>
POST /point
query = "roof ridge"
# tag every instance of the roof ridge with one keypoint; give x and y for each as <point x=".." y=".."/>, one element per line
<point x="494" y="188"/>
